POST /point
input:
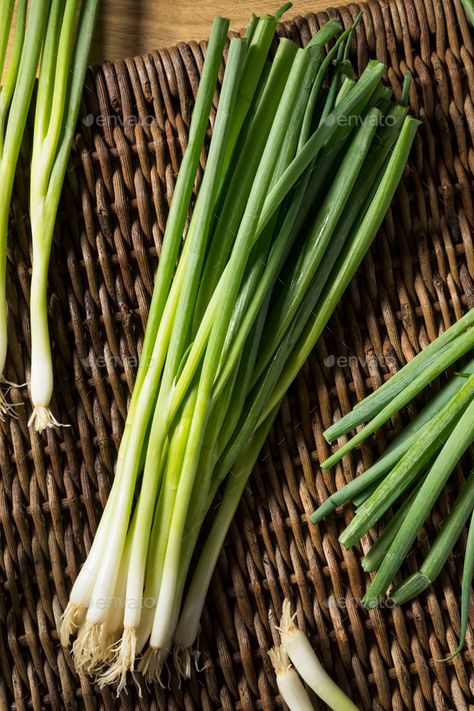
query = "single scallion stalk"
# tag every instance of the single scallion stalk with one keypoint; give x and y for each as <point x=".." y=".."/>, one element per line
<point x="8" y="86"/>
<point x="15" y="100"/>
<point x="251" y="25"/>
<point x="60" y="88"/>
<point x="467" y="573"/>
<point x="6" y="10"/>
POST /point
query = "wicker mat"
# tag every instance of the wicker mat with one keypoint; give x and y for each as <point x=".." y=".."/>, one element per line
<point x="417" y="279"/>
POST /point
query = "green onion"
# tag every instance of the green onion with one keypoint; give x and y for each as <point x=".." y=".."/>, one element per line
<point x="139" y="410"/>
<point x="188" y="627"/>
<point x="467" y="573"/>
<point x="60" y="87"/>
<point x="15" y="99"/>
<point x="349" y="260"/>
<point x="160" y="636"/>
<point x="373" y="559"/>
<point x="443" y="359"/>
<point x="468" y="6"/>
<point x="176" y="348"/>
<point x="423" y="455"/>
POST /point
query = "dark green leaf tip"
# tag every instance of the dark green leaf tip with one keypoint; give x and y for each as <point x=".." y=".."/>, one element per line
<point x="281" y="11"/>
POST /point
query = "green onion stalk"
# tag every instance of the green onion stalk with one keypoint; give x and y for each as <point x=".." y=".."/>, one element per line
<point x="280" y="224"/>
<point x="15" y="99"/>
<point x="60" y="87"/>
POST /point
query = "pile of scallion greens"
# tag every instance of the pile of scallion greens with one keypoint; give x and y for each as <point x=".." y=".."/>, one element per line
<point x="302" y="165"/>
<point x="413" y="469"/>
<point x="51" y="37"/>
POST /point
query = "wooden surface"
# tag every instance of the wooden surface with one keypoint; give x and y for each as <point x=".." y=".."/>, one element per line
<point x="130" y="27"/>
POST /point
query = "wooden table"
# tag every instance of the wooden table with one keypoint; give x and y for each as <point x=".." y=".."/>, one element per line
<point x="130" y="27"/>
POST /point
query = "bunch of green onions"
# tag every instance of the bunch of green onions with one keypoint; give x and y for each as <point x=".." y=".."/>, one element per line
<point x="54" y="36"/>
<point x="281" y="222"/>
<point x="413" y="469"/>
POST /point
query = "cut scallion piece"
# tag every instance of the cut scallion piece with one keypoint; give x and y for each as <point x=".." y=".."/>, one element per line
<point x="457" y="443"/>
<point x="441" y="548"/>
<point x="425" y="360"/>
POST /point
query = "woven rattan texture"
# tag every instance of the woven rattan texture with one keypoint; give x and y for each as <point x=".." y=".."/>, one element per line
<point x="417" y="280"/>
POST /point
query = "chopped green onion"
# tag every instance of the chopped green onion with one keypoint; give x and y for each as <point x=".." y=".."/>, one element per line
<point x="443" y="359"/>
<point x="409" y="466"/>
<point x="457" y="443"/>
<point x="441" y="548"/>
<point x="427" y="359"/>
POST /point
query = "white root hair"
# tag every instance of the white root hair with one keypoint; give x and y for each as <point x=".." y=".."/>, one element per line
<point x="124" y="661"/>
<point x="151" y="665"/>
<point x="41" y="418"/>
<point x="71" y="619"/>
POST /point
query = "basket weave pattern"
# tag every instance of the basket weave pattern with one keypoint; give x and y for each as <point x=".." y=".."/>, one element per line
<point x="417" y="279"/>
